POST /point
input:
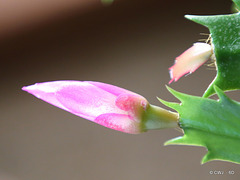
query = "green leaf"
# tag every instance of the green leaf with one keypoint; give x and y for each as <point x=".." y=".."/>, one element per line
<point x="225" y="33"/>
<point x="237" y="3"/>
<point x="214" y="124"/>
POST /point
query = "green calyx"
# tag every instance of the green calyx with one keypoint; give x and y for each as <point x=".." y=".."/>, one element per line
<point x="159" y="118"/>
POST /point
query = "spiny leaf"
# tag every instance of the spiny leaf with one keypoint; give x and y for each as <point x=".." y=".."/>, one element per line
<point x="225" y="33"/>
<point x="211" y="124"/>
<point x="170" y="104"/>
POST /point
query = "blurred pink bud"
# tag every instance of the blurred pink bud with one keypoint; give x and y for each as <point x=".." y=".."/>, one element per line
<point x="190" y="60"/>
<point x="105" y="104"/>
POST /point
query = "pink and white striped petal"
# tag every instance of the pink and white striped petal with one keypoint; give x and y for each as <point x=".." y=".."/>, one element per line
<point x="190" y="60"/>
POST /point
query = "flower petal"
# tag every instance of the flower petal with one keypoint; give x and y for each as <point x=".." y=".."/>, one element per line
<point x="87" y="101"/>
<point x="105" y="104"/>
<point x="119" y="122"/>
<point x="110" y="88"/>
<point x="190" y="60"/>
<point x="78" y="97"/>
<point x="46" y="91"/>
<point x="133" y="104"/>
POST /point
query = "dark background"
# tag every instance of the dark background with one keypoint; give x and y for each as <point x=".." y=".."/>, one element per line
<point x="131" y="44"/>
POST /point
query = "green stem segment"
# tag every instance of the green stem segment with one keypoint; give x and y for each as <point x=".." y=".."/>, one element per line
<point x="159" y="118"/>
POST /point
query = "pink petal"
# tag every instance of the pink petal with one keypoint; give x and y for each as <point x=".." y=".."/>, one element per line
<point x="110" y="88"/>
<point x="87" y="101"/>
<point x="190" y="60"/>
<point x="119" y="122"/>
<point x="105" y="104"/>
<point x="46" y="91"/>
<point x="133" y="104"/>
<point x="78" y="97"/>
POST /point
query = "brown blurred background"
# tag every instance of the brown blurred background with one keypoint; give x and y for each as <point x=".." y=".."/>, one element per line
<point x="131" y="44"/>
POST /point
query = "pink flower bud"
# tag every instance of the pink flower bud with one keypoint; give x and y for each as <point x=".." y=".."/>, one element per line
<point x="105" y="104"/>
<point x="190" y="60"/>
